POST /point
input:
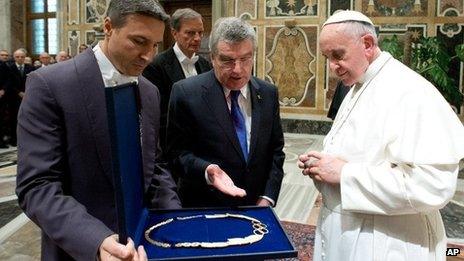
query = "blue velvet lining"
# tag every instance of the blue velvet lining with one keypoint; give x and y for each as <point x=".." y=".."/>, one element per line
<point x="134" y="219"/>
<point x="123" y="123"/>
<point x="275" y="244"/>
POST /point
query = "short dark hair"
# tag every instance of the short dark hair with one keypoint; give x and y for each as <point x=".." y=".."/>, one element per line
<point x="183" y="14"/>
<point x="118" y="10"/>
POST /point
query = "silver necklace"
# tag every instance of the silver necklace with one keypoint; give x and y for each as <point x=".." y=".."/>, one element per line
<point x="259" y="230"/>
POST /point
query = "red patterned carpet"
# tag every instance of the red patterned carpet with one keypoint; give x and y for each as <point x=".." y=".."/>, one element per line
<point x="302" y="237"/>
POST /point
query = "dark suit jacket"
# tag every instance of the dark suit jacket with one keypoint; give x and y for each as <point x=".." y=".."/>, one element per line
<point x="201" y="132"/>
<point x="337" y="99"/>
<point x="4" y="74"/>
<point x="3" y="80"/>
<point x="164" y="71"/>
<point x="16" y="81"/>
<point x="64" y="181"/>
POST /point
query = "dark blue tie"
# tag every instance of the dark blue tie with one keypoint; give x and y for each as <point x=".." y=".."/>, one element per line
<point x="239" y="122"/>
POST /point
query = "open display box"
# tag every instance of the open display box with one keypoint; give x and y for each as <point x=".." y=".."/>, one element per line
<point x="187" y="225"/>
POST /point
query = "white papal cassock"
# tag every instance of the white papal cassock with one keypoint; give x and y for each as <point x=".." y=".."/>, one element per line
<point x="403" y="143"/>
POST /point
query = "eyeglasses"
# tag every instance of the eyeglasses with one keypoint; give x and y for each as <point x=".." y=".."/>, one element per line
<point x="229" y="63"/>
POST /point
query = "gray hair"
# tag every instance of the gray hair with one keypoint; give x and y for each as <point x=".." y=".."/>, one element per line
<point x="358" y="29"/>
<point x="118" y="10"/>
<point x="23" y="50"/>
<point x="183" y="14"/>
<point x="231" y="30"/>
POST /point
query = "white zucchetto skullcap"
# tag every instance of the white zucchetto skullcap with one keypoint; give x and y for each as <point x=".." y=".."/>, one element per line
<point x="347" y="15"/>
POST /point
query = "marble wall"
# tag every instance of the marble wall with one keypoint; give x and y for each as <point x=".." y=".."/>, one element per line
<point x="5" y="25"/>
<point x="79" y="20"/>
<point x="288" y="32"/>
<point x="17" y="25"/>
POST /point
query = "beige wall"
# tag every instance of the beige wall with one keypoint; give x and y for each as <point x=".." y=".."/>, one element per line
<point x="288" y="54"/>
<point x="288" y="32"/>
<point x="5" y="25"/>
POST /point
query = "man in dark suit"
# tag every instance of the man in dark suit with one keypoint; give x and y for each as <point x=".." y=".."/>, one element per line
<point x="4" y="55"/>
<point x="64" y="181"/>
<point x="178" y="62"/>
<point x="45" y="59"/>
<point x="4" y="74"/>
<point x="224" y="127"/>
<point x="16" y="87"/>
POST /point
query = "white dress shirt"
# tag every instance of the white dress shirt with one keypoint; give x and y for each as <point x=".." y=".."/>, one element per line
<point x="20" y="66"/>
<point x="244" y="102"/>
<point x="111" y="76"/>
<point x="187" y="64"/>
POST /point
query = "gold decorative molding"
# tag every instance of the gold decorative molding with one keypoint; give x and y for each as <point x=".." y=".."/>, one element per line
<point x="73" y="12"/>
<point x="445" y="7"/>
<point x="291" y="8"/>
<point x="95" y="10"/>
<point x="246" y="9"/>
<point x="289" y="65"/>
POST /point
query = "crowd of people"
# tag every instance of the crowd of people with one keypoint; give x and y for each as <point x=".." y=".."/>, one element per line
<point x="14" y="70"/>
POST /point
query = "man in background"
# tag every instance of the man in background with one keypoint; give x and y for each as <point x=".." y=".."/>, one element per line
<point x="61" y="56"/>
<point x="4" y="74"/>
<point x="180" y="61"/>
<point x="82" y="48"/>
<point x="16" y="87"/>
<point x="224" y="133"/>
<point x="4" y="56"/>
<point x="44" y="59"/>
<point x="64" y="182"/>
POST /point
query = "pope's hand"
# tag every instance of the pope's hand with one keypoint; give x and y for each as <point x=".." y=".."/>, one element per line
<point x="321" y="167"/>
<point x="222" y="182"/>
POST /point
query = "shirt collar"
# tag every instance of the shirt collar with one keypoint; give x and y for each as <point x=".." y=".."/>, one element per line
<point x="182" y="57"/>
<point x="111" y="76"/>
<point x="370" y="73"/>
<point x="374" y="67"/>
<point x="244" y="91"/>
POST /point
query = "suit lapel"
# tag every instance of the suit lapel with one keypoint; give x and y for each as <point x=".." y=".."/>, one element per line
<point x="217" y="104"/>
<point x="173" y="67"/>
<point x="93" y="96"/>
<point x="201" y="65"/>
<point x="256" y="108"/>
<point x="14" y="69"/>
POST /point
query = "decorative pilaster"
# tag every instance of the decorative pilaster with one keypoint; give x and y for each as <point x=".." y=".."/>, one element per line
<point x="370" y="7"/>
<point x="5" y="25"/>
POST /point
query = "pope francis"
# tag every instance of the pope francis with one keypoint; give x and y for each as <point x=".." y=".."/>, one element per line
<point x="391" y="159"/>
